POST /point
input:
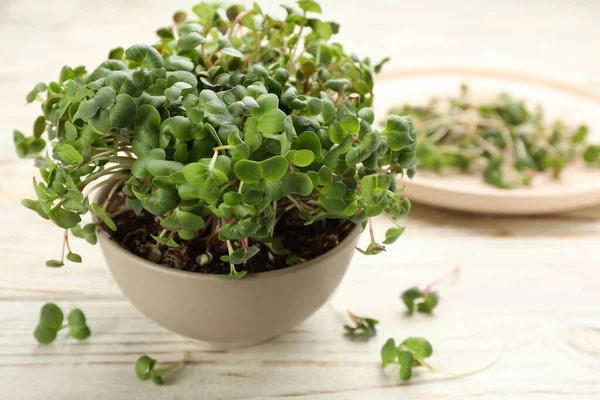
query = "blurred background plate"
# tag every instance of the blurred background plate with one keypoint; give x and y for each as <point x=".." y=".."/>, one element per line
<point x="578" y="187"/>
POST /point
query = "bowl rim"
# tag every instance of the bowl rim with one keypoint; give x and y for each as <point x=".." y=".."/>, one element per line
<point x="108" y="244"/>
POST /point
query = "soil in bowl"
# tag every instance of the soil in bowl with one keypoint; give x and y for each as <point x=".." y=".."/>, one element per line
<point x="303" y="242"/>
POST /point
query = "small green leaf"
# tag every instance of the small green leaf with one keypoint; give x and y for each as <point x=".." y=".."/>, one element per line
<point x="54" y="264"/>
<point x="241" y="255"/>
<point x="166" y="241"/>
<point x="271" y="169"/>
<point x="392" y="234"/>
<point x="405" y="358"/>
<point x="268" y="116"/>
<point x="388" y="352"/>
<point x="105" y="97"/>
<point x="145" y="56"/>
<point x="182" y="220"/>
<point x="69" y="155"/>
<point x="310" y="6"/>
<point x="300" y="158"/>
<point x="102" y="215"/>
<point x="51" y="316"/>
<point x="76" y="258"/>
<point x="420" y="347"/>
<point x="64" y="218"/>
<point x="45" y="334"/>
<point x="143" y="366"/>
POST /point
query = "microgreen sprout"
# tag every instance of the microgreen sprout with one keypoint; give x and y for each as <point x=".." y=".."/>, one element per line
<point x="145" y="368"/>
<point x="412" y="352"/>
<point x="504" y="140"/>
<point x="362" y="326"/>
<point x="231" y="119"/>
<point x="425" y="300"/>
<point x="51" y="321"/>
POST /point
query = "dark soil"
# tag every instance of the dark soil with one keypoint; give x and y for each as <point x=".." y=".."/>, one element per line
<point x="304" y="242"/>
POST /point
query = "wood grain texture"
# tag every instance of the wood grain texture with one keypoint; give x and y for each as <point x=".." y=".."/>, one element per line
<point x="530" y="285"/>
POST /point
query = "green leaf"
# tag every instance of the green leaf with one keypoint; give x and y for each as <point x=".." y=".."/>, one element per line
<point x="191" y="36"/>
<point x="145" y="56"/>
<point x="54" y="264"/>
<point x="87" y="109"/>
<point x="350" y="124"/>
<point x="45" y="334"/>
<point x="592" y="154"/>
<point x="388" y="352"/>
<point x="399" y="131"/>
<point x="39" y="126"/>
<point x="241" y="255"/>
<point x="88" y="232"/>
<point x="166" y="241"/>
<point x="271" y="169"/>
<point x="420" y="347"/>
<point x="102" y="215"/>
<point x="310" y="6"/>
<point x="105" y="97"/>
<point x="334" y="190"/>
<point x="300" y="158"/>
<point x="63" y="218"/>
<point x="163" y="167"/>
<point x="409" y="297"/>
<point x="143" y="366"/>
<point x="69" y="155"/>
<point x="230" y="51"/>
<point x="205" y="12"/>
<point x="76" y="258"/>
<point x="238" y="230"/>
<point x="80" y="332"/>
<point x="182" y="220"/>
<point x="392" y="234"/>
<point x="375" y="188"/>
<point x="51" y="316"/>
<point x="429" y="302"/>
<point x="405" y="358"/>
<point x="140" y="166"/>
<point x="161" y="201"/>
<point x="78" y="325"/>
<point x="297" y="183"/>
<point x="207" y="173"/>
<point x="268" y="116"/>
<point x="309" y="141"/>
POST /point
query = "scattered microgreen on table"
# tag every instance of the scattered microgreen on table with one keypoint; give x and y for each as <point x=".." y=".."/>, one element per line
<point x="424" y="300"/>
<point x="231" y="120"/>
<point x="145" y="368"/>
<point x="51" y="321"/>
<point x="412" y="352"/>
<point x="362" y="326"/>
<point x="505" y="140"/>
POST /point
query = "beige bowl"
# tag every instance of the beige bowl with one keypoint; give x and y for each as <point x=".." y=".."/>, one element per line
<point x="228" y="313"/>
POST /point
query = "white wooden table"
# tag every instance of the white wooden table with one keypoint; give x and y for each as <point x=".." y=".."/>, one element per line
<point x="530" y="285"/>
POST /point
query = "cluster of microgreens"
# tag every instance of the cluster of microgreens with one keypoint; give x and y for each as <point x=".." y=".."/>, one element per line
<point x="231" y="119"/>
<point x="51" y="321"/>
<point x="504" y="139"/>
<point x="145" y="369"/>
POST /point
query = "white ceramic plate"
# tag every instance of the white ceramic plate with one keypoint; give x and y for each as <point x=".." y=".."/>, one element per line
<point x="579" y="186"/>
